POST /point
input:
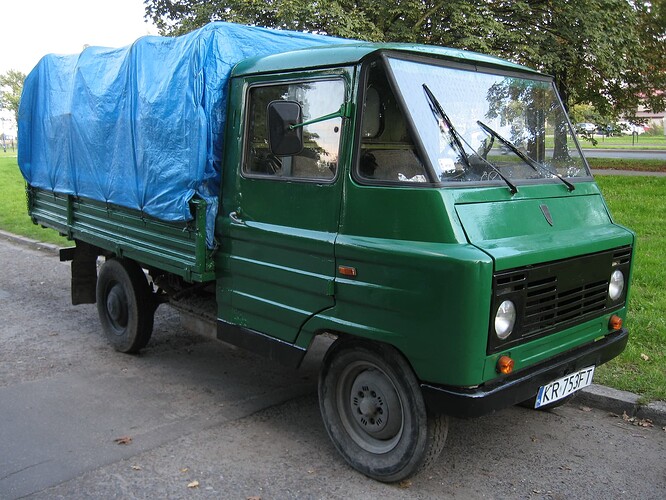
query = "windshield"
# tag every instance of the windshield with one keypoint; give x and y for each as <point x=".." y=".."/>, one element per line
<point x="477" y="126"/>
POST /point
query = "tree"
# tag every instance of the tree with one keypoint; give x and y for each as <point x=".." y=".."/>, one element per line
<point x="11" y="86"/>
<point x="607" y="53"/>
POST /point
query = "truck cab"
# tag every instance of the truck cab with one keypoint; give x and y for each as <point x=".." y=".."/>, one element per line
<point x="441" y="210"/>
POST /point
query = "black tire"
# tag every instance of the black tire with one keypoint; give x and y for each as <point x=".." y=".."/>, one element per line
<point x="374" y="412"/>
<point x="125" y="305"/>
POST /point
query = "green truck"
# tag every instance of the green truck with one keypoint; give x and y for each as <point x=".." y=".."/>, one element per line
<point x="427" y="208"/>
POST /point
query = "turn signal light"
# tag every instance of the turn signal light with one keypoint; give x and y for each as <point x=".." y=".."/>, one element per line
<point x="615" y="322"/>
<point x="505" y="365"/>
<point x="347" y="270"/>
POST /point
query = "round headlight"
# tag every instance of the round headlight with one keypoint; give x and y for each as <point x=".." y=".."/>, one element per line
<point x="505" y="319"/>
<point x="616" y="285"/>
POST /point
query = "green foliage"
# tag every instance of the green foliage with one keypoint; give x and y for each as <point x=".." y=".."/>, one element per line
<point x="654" y="131"/>
<point x="580" y="113"/>
<point x="608" y="53"/>
<point x="11" y="86"/>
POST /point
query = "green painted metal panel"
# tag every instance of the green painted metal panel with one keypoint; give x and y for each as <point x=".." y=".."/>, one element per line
<point x="179" y="248"/>
<point x="424" y="274"/>
<point x="354" y="52"/>
<point x="539" y="350"/>
<point x="415" y="295"/>
<point x="518" y="232"/>
<point x="277" y="261"/>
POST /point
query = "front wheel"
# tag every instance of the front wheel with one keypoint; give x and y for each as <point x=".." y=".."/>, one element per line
<point x="125" y="304"/>
<point x="374" y="412"/>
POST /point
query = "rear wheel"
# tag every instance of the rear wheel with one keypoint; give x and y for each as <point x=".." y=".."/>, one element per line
<point x="125" y="305"/>
<point x="374" y="412"/>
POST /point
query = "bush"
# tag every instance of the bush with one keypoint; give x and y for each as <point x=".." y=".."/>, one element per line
<point x="654" y="130"/>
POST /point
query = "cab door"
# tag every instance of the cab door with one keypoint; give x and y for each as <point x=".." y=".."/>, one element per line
<point x="282" y="212"/>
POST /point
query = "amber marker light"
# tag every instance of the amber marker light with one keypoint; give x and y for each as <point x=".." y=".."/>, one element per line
<point x="347" y="270"/>
<point x="505" y="365"/>
<point x="615" y="322"/>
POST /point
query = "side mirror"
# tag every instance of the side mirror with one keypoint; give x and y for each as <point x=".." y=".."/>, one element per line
<point x="283" y="138"/>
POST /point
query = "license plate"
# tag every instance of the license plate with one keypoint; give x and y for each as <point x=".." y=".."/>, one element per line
<point x="564" y="386"/>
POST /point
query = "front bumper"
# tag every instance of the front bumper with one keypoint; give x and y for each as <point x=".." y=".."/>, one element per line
<point x="522" y="385"/>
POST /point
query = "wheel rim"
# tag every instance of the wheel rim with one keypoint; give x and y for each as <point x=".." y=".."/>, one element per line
<point x="369" y="407"/>
<point x="117" y="308"/>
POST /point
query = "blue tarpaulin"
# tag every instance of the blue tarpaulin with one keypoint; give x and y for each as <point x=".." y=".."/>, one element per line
<point x="141" y="126"/>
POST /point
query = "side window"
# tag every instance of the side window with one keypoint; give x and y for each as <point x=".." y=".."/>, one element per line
<point x="319" y="158"/>
<point x="388" y="153"/>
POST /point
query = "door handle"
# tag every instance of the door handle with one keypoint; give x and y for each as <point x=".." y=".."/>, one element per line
<point x="235" y="218"/>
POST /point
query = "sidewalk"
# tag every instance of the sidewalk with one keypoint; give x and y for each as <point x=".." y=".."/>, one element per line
<point x="596" y="396"/>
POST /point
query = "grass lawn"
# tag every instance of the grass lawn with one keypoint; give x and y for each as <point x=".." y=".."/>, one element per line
<point x="628" y="164"/>
<point x="637" y="202"/>
<point x="14" y="214"/>
<point x="625" y="142"/>
<point x="640" y="203"/>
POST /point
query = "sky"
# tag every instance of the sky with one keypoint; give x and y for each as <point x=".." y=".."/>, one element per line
<point x="29" y="29"/>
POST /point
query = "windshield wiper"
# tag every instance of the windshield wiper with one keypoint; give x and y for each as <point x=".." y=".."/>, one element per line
<point x="532" y="163"/>
<point x="437" y="110"/>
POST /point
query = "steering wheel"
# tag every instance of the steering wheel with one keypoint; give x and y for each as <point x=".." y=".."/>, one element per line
<point x="273" y="164"/>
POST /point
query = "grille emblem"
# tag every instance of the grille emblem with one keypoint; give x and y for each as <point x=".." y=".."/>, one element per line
<point x="546" y="213"/>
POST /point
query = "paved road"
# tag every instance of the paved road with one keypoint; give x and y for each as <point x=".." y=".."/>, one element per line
<point x="198" y="410"/>
<point x="628" y="154"/>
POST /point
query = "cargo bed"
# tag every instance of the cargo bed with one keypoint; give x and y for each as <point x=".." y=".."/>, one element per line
<point x="176" y="247"/>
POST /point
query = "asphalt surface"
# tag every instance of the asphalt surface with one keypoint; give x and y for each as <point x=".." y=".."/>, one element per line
<point x="204" y="420"/>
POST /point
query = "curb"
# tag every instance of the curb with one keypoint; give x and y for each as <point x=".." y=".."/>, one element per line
<point x="619" y="402"/>
<point x="30" y="243"/>
<point x="595" y="396"/>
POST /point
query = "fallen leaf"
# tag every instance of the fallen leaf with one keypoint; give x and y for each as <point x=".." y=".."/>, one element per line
<point x="186" y="469"/>
<point x="404" y="484"/>
<point x="123" y="440"/>
<point x="639" y="422"/>
<point x="253" y="498"/>
<point x="585" y="408"/>
<point x="136" y="467"/>
<point x="534" y="439"/>
<point x="193" y="484"/>
<point x="645" y="357"/>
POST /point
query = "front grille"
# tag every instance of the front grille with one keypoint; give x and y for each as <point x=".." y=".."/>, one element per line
<point x="556" y="295"/>
<point x="546" y="306"/>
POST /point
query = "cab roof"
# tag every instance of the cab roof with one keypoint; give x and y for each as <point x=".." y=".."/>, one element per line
<point x="353" y="53"/>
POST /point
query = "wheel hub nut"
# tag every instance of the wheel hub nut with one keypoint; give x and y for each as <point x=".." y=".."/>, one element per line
<point x="374" y="402"/>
